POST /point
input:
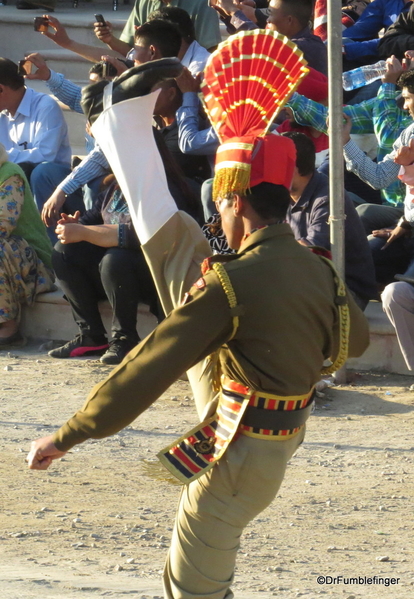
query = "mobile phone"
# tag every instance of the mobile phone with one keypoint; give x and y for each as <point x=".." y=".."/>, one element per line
<point x="24" y="67"/>
<point x="108" y="70"/>
<point x="40" y="24"/>
<point x="99" y="19"/>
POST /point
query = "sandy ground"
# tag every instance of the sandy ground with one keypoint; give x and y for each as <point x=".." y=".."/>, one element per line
<point x="98" y="523"/>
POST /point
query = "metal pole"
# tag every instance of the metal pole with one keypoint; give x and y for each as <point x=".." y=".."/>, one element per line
<point x="336" y="166"/>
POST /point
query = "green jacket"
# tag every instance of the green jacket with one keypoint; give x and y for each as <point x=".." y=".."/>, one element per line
<point x="288" y="326"/>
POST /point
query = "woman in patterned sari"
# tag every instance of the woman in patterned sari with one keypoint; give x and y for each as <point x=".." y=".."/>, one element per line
<point x="25" y="251"/>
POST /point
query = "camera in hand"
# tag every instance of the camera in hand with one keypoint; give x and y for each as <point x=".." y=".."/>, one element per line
<point x="41" y="24"/>
<point x="108" y="70"/>
<point x="24" y="67"/>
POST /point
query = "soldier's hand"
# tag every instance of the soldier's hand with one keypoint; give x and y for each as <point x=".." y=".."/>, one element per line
<point x="42" y="453"/>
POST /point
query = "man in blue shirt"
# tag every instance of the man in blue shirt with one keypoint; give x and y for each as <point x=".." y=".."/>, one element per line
<point x="35" y="135"/>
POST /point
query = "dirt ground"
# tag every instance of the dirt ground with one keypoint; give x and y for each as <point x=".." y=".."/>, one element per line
<point x="98" y="523"/>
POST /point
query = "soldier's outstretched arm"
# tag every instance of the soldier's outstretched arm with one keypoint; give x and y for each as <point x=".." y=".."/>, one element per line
<point x="186" y="336"/>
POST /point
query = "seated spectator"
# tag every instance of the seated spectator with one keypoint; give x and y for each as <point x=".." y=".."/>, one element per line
<point x="98" y="256"/>
<point x="70" y="94"/>
<point x="308" y="215"/>
<point x="382" y="173"/>
<point x="362" y="39"/>
<point x="35" y="135"/>
<point x="398" y="304"/>
<point x="192" y="55"/>
<point x="399" y="37"/>
<point x="382" y="116"/>
<point x="25" y="251"/>
<point x="206" y="23"/>
<point x="397" y="261"/>
<point x="158" y="39"/>
<point x="288" y="17"/>
<point x="194" y="166"/>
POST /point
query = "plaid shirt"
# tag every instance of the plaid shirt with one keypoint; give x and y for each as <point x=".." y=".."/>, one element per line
<point x="379" y="115"/>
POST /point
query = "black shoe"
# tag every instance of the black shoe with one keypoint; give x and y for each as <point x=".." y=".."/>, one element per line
<point x="118" y="349"/>
<point x="81" y="345"/>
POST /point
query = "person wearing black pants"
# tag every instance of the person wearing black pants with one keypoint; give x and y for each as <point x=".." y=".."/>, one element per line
<point x="99" y="256"/>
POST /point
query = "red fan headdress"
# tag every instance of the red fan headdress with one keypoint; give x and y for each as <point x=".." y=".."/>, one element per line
<point x="247" y="81"/>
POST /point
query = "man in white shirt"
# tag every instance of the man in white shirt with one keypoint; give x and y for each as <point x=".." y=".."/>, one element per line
<point x="34" y="133"/>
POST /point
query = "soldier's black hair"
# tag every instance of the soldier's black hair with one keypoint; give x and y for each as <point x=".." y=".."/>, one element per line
<point x="407" y="80"/>
<point x="163" y="35"/>
<point x="268" y="200"/>
<point x="300" y="9"/>
<point x="179" y="17"/>
<point x="305" y="152"/>
<point x="9" y="74"/>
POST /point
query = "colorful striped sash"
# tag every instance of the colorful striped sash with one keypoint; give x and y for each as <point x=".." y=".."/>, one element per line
<point x="196" y="452"/>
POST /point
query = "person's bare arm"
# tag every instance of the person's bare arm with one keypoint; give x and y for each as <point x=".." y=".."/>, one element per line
<point x="61" y="38"/>
<point x="105" y="236"/>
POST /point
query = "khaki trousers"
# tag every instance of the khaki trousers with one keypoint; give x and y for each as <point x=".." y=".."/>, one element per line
<point x="214" y="510"/>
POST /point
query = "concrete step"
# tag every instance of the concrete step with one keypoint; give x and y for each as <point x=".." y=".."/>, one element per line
<point x="383" y="352"/>
<point x="50" y="318"/>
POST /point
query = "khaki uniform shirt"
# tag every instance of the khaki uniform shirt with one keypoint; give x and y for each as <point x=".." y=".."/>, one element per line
<point x="288" y="327"/>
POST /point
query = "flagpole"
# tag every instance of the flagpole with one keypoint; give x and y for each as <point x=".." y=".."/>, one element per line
<point x="336" y="166"/>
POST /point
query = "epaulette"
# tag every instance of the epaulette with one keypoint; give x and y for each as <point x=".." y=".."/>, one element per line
<point x="216" y="263"/>
<point x="207" y="263"/>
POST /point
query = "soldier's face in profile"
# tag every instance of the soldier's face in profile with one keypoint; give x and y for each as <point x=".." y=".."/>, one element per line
<point x="231" y="221"/>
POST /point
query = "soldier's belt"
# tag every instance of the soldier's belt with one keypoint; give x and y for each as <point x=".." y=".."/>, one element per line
<point x="240" y="410"/>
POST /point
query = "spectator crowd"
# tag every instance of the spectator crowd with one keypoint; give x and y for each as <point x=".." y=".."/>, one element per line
<point x="64" y="221"/>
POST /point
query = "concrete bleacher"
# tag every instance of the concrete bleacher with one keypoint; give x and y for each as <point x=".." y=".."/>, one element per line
<point x="50" y="318"/>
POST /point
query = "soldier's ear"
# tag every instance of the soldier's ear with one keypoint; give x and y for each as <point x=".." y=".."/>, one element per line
<point x="237" y="205"/>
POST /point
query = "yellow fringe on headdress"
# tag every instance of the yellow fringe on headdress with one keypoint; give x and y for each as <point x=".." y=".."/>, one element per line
<point x="231" y="179"/>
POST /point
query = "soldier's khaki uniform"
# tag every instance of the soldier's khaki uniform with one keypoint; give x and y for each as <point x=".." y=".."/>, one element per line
<point x="287" y="328"/>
